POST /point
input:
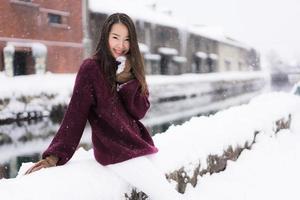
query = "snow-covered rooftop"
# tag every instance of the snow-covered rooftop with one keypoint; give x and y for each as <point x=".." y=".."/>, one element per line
<point x="136" y="10"/>
<point x="139" y="11"/>
<point x="216" y="33"/>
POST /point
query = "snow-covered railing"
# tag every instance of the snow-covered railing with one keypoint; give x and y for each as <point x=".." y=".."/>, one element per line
<point x="33" y="96"/>
<point x="186" y="151"/>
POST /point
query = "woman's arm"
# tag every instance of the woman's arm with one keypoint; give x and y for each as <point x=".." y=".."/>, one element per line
<point x="135" y="103"/>
<point x="68" y="136"/>
<point x="129" y="90"/>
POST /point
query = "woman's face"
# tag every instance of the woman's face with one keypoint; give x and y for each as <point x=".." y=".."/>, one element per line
<point x="118" y="40"/>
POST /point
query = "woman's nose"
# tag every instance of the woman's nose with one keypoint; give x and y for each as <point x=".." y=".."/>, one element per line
<point x="121" y="44"/>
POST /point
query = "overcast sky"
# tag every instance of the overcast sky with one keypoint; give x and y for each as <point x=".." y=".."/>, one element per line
<point x="264" y="24"/>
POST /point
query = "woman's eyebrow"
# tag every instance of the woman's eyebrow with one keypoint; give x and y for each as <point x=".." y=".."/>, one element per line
<point x="115" y="34"/>
<point x="118" y="35"/>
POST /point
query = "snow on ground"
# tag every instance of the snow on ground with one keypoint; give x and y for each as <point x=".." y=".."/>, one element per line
<point x="202" y="136"/>
<point x="269" y="170"/>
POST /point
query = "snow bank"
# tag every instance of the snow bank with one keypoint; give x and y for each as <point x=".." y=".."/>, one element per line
<point x="270" y="170"/>
<point x="201" y="136"/>
<point x="180" y="146"/>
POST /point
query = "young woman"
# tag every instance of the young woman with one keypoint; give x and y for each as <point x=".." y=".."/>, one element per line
<point x="113" y="103"/>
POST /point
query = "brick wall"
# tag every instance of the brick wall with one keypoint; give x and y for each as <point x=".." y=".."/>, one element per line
<point x="29" y="22"/>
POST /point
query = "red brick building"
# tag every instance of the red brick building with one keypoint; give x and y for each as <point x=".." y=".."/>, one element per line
<point x="40" y="35"/>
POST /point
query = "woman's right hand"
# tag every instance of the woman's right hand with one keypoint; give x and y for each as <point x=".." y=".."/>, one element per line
<point x="50" y="161"/>
<point x="126" y="74"/>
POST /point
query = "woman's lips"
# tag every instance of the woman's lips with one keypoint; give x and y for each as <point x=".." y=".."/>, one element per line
<point x="118" y="53"/>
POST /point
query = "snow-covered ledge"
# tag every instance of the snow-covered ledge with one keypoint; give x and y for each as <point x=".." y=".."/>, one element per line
<point x="9" y="51"/>
<point x="180" y="147"/>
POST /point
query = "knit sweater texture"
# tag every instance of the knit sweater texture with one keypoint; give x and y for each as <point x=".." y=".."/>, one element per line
<point x="117" y="133"/>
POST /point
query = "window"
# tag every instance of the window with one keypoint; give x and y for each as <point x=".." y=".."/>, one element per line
<point x="164" y="34"/>
<point x="54" y="18"/>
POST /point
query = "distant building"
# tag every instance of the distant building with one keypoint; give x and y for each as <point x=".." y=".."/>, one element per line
<point x="38" y="35"/>
<point x="171" y="47"/>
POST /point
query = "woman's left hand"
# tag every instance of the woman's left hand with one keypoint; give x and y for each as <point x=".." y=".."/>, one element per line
<point x="126" y="74"/>
<point x="50" y="161"/>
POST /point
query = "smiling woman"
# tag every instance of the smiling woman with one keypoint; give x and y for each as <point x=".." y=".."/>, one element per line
<point x="120" y="141"/>
<point x="118" y="40"/>
<point x="119" y="37"/>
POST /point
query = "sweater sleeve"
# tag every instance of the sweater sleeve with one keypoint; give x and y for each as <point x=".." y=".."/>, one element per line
<point x="69" y="134"/>
<point x="135" y="103"/>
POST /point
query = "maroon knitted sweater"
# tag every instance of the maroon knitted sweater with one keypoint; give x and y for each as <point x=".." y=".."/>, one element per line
<point x="117" y="133"/>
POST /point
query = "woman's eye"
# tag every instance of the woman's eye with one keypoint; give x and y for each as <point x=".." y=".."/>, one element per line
<point x="115" y="37"/>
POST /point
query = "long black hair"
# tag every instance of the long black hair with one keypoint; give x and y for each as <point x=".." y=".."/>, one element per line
<point x="106" y="59"/>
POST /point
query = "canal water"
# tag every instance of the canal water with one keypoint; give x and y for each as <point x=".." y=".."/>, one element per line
<point x="25" y="141"/>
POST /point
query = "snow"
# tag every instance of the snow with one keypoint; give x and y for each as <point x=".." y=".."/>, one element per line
<point x="32" y="85"/>
<point x="136" y="10"/>
<point x="213" y="56"/>
<point x="179" y="59"/>
<point x="208" y="77"/>
<point x="150" y="56"/>
<point x="201" y="54"/>
<point x="139" y="11"/>
<point x="167" y="51"/>
<point x="9" y="48"/>
<point x="216" y="33"/>
<point x="296" y="89"/>
<point x="143" y="48"/>
<point x="60" y="86"/>
<point x="268" y="170"/>
<point x="38" y="49"/>
<point x="38" y="87"/>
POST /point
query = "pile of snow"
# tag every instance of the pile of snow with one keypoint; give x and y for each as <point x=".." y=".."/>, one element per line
<point x="250" y="177"/>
